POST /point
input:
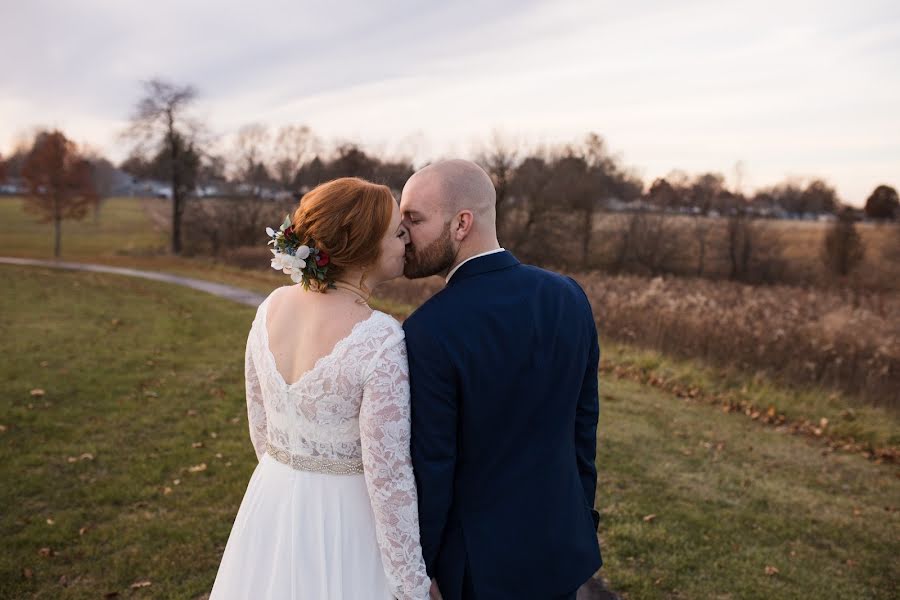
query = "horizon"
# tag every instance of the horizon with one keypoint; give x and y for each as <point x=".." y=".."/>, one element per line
<point x="805" y="91"/>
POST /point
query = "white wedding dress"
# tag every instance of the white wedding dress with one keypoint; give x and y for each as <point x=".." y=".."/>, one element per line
<point x="331" y="510"/>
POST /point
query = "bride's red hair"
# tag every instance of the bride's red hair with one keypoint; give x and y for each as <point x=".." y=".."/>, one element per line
<point x="346" y="218"/>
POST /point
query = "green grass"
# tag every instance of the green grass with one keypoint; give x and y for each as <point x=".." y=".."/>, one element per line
<point x="871" y="426"/>
<point x="124" y="236"/>
<point x="122" y="230"/>
<point x="134" y="372"/>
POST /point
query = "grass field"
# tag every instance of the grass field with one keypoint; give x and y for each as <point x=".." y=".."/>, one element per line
<point x="104" y="488"/>
<point x="115" y="392"/>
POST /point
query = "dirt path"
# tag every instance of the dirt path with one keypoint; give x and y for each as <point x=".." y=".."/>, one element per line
<point x="217" y="289"/>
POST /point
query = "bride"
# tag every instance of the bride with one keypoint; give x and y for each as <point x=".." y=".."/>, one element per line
<point x="331" y="509"/>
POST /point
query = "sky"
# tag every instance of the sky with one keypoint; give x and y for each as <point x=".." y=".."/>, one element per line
<point x="784" y="89"/>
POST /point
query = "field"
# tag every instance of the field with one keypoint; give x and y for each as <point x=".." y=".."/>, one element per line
<point x="105" y="490"/>
<point x="123" y="439"/>
<point x="794" y="247"/>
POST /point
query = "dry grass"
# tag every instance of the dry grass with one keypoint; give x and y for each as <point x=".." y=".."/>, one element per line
<point x="844" y="339"/>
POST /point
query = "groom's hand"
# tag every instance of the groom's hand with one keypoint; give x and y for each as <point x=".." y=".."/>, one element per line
<point x="434" y="591"/>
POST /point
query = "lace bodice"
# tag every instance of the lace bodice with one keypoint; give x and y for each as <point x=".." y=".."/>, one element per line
<point x="352" y="404"/>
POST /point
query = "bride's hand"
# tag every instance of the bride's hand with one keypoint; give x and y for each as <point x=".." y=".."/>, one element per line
<point x="434" y="591"/>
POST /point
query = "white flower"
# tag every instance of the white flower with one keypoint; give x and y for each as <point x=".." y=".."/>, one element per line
<point x="270" y="232"/>
<point x="277" y="261"/>
<point x="298" y="263"/>
<point x="296" y="276"/>
<point x="302" y="252"/>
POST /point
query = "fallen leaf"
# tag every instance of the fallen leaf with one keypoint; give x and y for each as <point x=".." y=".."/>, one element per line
<point x="2" y="428"/>
<point x="50" y="521"/>
<point x="191" y="412"/>
<point x="823" y="422"/>
<point x="86" y="456"/>
<point x="27" y="573"/>
<point x="770" y="570"/>
<point x="140" y="584"/>
<point x="64" y="581"/>
<point x="649" y="518"/>
<point x="218" y="455"/>
<point x="197" y="468"/>
<point x="213" y="434"/>
<point x="37" y="392"/>
<point x="84" y="530"/>
<point x="197" y="445"/>
<point x="176" y="481"/>
<point x="167" y="490"/>
<point x="151" y="394"/>
<point x="45" y="552"/>
<point x="72" y="459"/>
<point x="235" y="421"/>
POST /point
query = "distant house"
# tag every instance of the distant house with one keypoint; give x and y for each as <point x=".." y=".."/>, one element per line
<point x="13" y="186"/>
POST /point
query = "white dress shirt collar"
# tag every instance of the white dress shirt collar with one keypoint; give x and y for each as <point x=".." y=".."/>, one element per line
<point x="454" y="269"/>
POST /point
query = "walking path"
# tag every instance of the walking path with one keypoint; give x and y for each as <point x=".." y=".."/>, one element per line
<point x="217" y="289"/>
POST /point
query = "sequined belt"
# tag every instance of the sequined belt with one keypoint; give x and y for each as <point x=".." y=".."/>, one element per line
<point x="316" y="464"/>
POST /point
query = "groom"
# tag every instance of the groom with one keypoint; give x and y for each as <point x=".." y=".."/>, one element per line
<point x="503" y="376"/>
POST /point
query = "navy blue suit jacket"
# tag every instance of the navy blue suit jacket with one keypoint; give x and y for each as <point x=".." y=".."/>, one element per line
<point x="503" y="376"/>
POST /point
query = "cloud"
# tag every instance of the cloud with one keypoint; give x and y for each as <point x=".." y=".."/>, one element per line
<point x="785" y="87"/>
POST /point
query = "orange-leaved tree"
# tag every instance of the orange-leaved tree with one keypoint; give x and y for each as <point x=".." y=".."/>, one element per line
<point x="59" y="182"/>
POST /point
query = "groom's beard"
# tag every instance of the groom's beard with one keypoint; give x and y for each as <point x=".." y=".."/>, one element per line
<point x="436" y="257"/>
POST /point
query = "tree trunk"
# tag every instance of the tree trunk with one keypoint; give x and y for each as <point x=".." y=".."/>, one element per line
<point x="701" y="249"/>
<point x="588" y="227"/>
<point x="177" y="211"/>
<point x="57" y="234"/>
<point x="177" y="200"/>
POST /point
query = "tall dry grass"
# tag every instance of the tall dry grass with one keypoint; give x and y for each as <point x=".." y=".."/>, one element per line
<point x="845" y="339"/>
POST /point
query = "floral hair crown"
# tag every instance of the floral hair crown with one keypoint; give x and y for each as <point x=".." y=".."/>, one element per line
<point x="303" y="263"/>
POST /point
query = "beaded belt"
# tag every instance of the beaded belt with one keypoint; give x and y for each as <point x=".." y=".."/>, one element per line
<point x="316" y="464"/>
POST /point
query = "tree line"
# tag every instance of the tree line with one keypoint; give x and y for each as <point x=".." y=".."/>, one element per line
<point x="543" y="195"/>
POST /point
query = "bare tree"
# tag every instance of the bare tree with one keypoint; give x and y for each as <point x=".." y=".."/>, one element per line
<point x="702" y="227"/>
<point x="294" y="145"/>
<point x="652" y="242"/>
<point x="59" y="182"/>
<point x="251" y="154"/>
<point x="499" y="158"/>
<point x="752" y="250"/>
<point x="161" y="119"/>
<point x="530" y="184"/>
<point x="843" y="247"/>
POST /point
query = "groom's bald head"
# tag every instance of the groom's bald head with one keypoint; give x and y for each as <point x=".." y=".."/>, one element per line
<point x="449" y="210"/>
<point x="456" y="185"/>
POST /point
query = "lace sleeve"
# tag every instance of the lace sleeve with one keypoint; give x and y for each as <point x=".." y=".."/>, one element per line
<point x="384" y="424"/>
<point x="256" y="410"/>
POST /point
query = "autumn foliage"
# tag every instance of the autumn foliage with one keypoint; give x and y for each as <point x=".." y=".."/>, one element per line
<point x="59" y="182"/>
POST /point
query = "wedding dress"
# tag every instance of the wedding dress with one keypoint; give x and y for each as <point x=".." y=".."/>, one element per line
<point x="331" y="509"/>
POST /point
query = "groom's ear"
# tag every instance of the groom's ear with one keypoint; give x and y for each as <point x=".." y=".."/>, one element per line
<point x="463" y="224"/>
